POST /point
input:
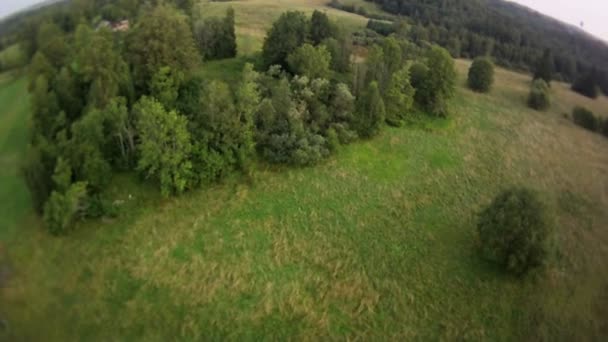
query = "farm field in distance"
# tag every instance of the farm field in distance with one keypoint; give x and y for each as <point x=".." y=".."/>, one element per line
<point x="377" y="242"/>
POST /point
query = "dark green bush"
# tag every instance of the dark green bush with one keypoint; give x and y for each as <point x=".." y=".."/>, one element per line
<point x="585" y="118"/>
<point x="481" y="75"/>
<point x="513" y="231"/>
<point x="539" y="98"/>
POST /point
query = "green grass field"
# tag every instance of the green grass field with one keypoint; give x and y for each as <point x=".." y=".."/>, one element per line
<point x="255" y="17"/>
<point x="375" y="243"/>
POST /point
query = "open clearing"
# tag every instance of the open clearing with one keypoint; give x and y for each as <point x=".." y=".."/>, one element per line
<point x="375" y="243"/>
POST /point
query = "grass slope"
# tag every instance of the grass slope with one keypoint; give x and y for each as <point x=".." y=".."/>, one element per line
<point x="375" y="243"/>
<point x="254" y="17"/>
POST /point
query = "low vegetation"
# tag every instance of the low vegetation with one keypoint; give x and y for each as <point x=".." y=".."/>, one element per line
<point x="585" y="118"/>
<point x="481" y="75"/>
<point x="540" y="95"/>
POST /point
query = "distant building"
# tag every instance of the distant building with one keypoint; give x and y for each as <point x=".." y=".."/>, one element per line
<point x="119" y="26"/>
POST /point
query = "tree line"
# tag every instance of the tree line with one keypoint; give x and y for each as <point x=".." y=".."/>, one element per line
<point x="513" y="35"/>
<point x="105" y="101"/>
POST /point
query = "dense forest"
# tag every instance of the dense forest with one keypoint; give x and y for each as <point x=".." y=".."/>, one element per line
<point x="515" y="36"/>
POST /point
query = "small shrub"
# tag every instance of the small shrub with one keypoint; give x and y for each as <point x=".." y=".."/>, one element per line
<point x="539" y="98"/>
<point x="585" y="118"/>
<point x="481" y="75"/>
<point x="513" y="231"/>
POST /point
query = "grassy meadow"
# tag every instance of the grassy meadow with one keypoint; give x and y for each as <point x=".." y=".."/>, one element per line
<point x="375" y="243"/>
<point x="255" y="17"/>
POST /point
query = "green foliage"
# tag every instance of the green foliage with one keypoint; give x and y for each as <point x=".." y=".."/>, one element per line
<point x="120" y="129"/>
<point x="286" y="35"/>
<point x="40" y="66"/>
<point x="282" y="136"/>
<point x="164" y="86"/>
<point x="222" y="130"/>
<point x="216" y="38"/>
<point x="481" y="75"/>
<point x="165" y="145"/>
<point x="152" y="45"/>
<point x="100" y="65"/>
<point x="50" y="41"/>
<point x="544" y="67"/>
<point x="312" y="62"/>
<point x="587" y="84"/>
<point x="513" y="231"/>
<point x="70" y="94"/>
<point x="539" y="98"/>
<point x="320" y="27"/>
<point x="86" y="150"/>
<point x="340" y="51"/>
<point x="45" y="110"/>
<point x="585" y="118"/>
<point x="370" y="111"/>
<point x="65" y="204"/>
<point x="37" y="170"/>
<point x="435" y="82"/>
<point x="399" y="97"/>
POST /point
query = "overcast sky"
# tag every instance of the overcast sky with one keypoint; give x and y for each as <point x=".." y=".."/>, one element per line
<point x="594" y="13"/>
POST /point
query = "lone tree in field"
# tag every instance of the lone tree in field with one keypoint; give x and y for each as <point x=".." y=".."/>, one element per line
<point x="544" y="67"/>
<point x="286" y="35"/>
<point x="539" y="98"/>
<point x="481" y="75"/>
<point x="513" y="231"/>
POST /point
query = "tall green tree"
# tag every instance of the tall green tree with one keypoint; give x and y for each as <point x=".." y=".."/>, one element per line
<point x="286" y="35"/>
<point x="51" y="42"/>
<point x="587" y="84"/>
<point x="86" y="150"/>
<point x="100" y="65"/>
<point x="312" y="62"/>
<point x="152" y="44"/>
<point x="67" y="203"/>
<point x="320" y="27"/>
<point x="121" y="130"/>
<point x="545" y="67"/>
<point x="165" y="85"/>
<point x="371" y="112"/>
<point x="165" y="145"/>
<point x="435" y="82"/>
<point x="399" y="97"/>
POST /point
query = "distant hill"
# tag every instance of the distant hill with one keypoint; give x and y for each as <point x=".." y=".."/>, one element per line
<point x="514" y="34"/>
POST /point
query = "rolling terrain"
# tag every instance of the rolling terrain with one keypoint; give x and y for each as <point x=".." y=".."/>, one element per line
<point x="378" y="242"/>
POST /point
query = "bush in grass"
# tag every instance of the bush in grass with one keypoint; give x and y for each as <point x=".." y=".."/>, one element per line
<point x="481" y="75"/>
<point x="585" y="118"/>
<point x="539" y="98"/>
<point x="513" y="231"/>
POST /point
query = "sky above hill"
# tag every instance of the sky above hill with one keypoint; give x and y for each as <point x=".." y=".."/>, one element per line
<point x="593" y="13"/>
